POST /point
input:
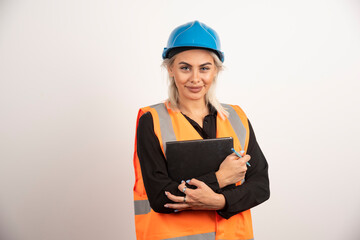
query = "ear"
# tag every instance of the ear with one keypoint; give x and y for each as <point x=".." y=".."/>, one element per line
<point x="170" y="72"/>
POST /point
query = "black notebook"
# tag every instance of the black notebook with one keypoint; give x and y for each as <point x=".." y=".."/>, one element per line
<point x="191" y="159"/>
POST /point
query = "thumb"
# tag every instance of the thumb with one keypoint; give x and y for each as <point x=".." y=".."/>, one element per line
<point x="246" y="158"/>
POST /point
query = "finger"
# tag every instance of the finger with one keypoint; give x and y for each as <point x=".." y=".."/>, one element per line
<point x="196" y="182"/>
<point x="234" y="157"/>
<point x="246" y="158"/>
<point x="177" y="206"/>
<point x="174" y="198"/>
<point x="182" y="187"/>
<point x="232" y="154"/>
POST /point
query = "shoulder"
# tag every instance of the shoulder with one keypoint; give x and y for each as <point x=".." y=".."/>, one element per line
<point x="148" y="114"/>
<point x="149" y="118"/>
<point x="145" y="117"/>
<point x="231" y="109"/>
<point x="153" y="108"/>
<point x="145" y="123"/>
<point x="148" y="109"/>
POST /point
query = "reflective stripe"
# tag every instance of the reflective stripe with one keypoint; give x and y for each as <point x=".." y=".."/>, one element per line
<point x="202" y="236"/>
<point x="167" y="130"/>
<point x="166" y="127"/>
<point x="236" y="124"/>
<point x="239" y="239"/>
<point x="142" y="207"/>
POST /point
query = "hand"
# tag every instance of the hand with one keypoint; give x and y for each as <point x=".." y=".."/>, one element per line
<point x="232" y="170"/>
<point x="201" y="198"/>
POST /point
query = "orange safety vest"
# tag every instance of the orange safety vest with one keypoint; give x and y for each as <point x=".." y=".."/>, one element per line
<point x="171" y="125"/>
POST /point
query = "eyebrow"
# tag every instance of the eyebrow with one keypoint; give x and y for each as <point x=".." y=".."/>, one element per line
<point x="207" y="63"/>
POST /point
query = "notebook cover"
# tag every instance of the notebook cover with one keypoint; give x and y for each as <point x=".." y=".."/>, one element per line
<point x="194" y="158"/>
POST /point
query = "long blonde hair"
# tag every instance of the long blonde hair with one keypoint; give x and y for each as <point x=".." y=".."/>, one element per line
<point x="210" y="96"/>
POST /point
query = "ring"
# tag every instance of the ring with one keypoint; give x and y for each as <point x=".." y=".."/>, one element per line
<point x="184" y="189"/>
<point x="185" y="199"/>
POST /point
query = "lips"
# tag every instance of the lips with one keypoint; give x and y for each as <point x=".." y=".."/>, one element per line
<point x="195" y="89"/>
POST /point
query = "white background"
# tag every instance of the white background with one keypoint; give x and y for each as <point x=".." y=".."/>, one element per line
<point x="73" y="74"/>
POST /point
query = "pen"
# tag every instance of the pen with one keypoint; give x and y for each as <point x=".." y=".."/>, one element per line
<point x="239" y="155"/>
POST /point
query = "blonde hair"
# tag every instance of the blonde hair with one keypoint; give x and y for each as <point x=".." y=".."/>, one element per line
<point x="209" y="96"/>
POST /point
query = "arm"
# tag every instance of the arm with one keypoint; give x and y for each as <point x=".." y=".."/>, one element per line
<point x="154" y="169"/>
<point x="255" y="190"/>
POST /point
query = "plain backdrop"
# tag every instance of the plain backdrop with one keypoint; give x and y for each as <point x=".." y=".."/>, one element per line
<point x="73" y="74"/>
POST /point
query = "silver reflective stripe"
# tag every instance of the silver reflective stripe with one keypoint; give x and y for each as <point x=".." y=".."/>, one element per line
<point x="239" y="239"/>
<point x="236" y="124"/>
<point x="166" y="128"/>
<point x="141" y="207"/>
<point x="203" y="236"/>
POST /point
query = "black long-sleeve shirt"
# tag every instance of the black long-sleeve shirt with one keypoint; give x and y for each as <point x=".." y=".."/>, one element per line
<point x="153" y="164"/>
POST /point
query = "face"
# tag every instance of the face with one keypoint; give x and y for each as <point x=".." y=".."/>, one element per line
<point x="193" y="71"/>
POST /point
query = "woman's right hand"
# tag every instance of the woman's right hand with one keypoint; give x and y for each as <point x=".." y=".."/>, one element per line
<point x="232" y="170"/>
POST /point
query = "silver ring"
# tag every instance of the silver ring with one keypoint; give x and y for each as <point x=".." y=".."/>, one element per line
<point x="184" y="189"/>
<point x="185" y="199"/>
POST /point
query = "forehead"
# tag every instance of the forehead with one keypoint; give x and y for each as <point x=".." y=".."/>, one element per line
<point x="194" y="56"/>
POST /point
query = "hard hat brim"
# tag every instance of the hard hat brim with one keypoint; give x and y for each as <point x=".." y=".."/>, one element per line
<point x="170" y="52"/>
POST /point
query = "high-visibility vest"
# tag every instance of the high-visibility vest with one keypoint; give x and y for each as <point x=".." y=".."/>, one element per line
<point x="171" y="125"/>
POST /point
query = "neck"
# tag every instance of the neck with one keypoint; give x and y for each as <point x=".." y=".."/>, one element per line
<point x="193" y="108"/>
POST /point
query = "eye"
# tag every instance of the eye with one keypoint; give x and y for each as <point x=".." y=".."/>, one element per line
<point x="204" y="68"/>
<point x="186" y="68"/>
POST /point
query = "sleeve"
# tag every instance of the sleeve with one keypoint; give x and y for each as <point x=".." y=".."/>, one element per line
<point x="154" y="169"/>
<point x="255" y="189"/>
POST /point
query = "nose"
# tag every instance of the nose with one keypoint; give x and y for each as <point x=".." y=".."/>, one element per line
<point x="195" y="78"/>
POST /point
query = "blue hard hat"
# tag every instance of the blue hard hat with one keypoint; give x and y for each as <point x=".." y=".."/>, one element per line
<point x="194" y="35"/>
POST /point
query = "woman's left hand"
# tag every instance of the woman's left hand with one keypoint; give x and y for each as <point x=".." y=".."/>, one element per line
<point x="201" y="198"/>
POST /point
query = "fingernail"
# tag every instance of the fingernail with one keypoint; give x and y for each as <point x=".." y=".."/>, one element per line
<point x="187" y="181"/>
<point x="242" y="151"/>
<point x="176" y="210"/>
<point x="166" y="206"/>
<point x="182" y="181"/>
<point x="166" y="193"/>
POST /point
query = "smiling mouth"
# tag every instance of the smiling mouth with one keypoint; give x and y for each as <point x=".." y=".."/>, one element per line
<point x="195" y="89"/>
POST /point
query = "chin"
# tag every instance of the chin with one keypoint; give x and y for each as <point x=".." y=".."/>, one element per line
<point x="195" y="98"/>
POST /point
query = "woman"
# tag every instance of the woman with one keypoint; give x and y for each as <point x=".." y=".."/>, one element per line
<point x="215" y="209"/>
